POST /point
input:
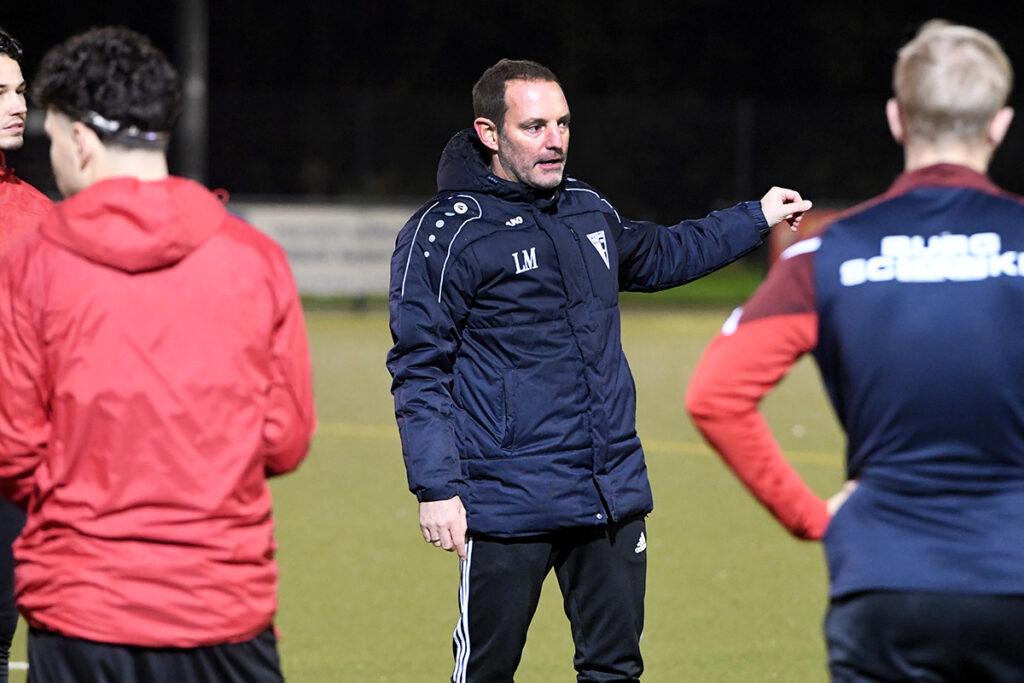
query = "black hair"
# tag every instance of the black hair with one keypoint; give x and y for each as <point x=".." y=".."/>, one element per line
<point x="489" y="91"/>
<point x="9" y="46"/>
<point x="115" y="81"/>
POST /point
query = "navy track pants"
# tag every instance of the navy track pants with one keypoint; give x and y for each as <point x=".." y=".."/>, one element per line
<point x="602" y="574"/>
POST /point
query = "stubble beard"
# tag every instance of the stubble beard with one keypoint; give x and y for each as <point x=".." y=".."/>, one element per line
<point x="11" y="143"/>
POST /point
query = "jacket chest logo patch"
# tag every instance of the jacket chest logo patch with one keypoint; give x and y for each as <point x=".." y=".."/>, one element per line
<point x="528" y="262"/>
<point x="600" y="243"/>
<point x="513" y="222"/>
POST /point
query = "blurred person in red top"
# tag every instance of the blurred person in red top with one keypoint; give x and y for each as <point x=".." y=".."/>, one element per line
<point x="21" y="208"/>
<point x="21" y="205"/>
<point x="155" y="372"/>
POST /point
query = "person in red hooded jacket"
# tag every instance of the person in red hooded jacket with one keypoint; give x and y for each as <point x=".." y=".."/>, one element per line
<point x="21" y="208"/>
<point x="156" y="372"/>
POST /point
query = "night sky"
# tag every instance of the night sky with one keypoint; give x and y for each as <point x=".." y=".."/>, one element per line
<point x="320" y="74"/>
<point x="815" y="49"/>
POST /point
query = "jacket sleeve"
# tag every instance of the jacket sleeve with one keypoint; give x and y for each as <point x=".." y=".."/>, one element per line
<point x="754" y="351"/>
<point x="24" y="398"/>
<point x="290" y="420"/>
<point x="431" y="281"/>
<point x="654" y="257"/>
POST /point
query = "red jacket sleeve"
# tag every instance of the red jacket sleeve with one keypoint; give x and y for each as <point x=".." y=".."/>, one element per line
<point x="24" y="398"/>
<point x="755" y="350"/>
<point x="290" y="420"/>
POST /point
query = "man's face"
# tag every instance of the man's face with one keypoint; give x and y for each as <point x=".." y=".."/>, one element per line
<point x="64" y="157"/>
<point x="12" y="104"/>
<point x="534" y="140"/>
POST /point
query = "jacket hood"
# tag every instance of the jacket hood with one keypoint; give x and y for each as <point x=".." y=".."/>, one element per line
<point x="134" y="225"/>
<point x="465" y="167"/>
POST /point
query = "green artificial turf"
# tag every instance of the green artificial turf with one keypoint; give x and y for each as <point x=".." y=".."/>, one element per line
<point x="730" y="596"/>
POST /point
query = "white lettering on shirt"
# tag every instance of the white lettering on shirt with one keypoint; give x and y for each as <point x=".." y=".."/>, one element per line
<point x="939" y="258"/>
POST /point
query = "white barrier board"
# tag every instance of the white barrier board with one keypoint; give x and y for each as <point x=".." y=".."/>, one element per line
<point x="333" y="249"/>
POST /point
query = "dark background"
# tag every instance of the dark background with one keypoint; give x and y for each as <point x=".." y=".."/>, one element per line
<point x="677" y="107"/>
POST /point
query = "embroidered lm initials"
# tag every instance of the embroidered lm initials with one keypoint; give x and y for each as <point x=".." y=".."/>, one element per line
<point x="529" y="260"/>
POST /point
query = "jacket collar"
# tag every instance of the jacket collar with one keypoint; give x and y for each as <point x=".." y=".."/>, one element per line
<point x="943" y="175"/>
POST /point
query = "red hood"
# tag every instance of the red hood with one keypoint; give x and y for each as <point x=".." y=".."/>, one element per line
<point x="133" y="225"/>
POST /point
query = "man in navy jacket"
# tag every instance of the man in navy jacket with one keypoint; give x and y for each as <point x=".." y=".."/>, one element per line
<point x="909" y="303"/>
<point x="514" y="401"/>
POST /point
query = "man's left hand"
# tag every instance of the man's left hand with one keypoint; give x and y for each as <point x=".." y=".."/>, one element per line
<point x="781" y="203"/>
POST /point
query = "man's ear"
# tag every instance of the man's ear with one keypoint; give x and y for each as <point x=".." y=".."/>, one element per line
<point x="87" y="142"/>
<point x="999" y="125"/>
<point x="892" y="114"/>
<point x="487" y="132"/>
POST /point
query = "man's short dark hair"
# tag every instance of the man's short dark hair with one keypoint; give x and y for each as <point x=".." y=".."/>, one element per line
<point x="489" y="92"/>
<point x="117" y="74"/>
<point x="9" y="46"/>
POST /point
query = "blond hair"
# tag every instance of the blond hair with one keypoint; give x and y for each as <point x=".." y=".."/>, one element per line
<point x="949" y="82"/>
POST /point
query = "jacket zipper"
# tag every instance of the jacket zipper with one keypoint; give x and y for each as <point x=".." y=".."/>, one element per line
<point x="583" y="258"/>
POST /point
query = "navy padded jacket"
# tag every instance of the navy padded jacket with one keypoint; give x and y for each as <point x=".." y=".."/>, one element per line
<point x="511" y="388"/>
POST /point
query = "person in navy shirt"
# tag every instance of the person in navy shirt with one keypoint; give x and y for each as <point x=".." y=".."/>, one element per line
<point x="908" y="303"/>
<point x="514" y="401"/>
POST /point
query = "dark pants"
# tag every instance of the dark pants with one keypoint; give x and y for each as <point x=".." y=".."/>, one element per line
<point x="930" y="637"/>
<point x="53" y="658"/>
<point x="12" y="519"/>
<point x="602" y="575"/>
